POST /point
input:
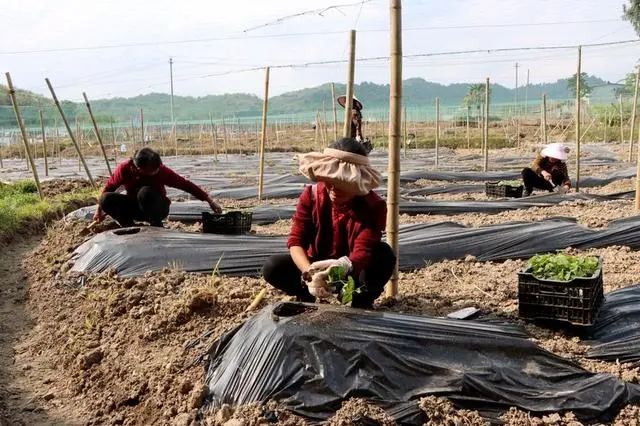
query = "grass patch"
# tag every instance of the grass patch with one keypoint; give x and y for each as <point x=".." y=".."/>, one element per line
<point x="21" y="204"/>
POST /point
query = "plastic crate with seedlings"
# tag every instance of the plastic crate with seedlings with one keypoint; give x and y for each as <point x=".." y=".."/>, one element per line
<point x="504" y="189"/>
<point x="562" y="288"/>
<point x="231" y="223"/>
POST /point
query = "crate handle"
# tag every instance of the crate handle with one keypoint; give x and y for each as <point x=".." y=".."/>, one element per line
<point x="549" y="289"/>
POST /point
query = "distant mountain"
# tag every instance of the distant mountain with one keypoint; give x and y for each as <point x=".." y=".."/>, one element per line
<point x="416" y="92"/>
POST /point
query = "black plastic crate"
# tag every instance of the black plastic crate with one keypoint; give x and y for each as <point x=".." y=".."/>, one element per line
<point x="231" y="223"/>
<point x="492" y="189"/>
<point x="576" y="301"/>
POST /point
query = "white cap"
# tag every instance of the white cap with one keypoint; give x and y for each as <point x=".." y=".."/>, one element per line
<point x="556" y="150"/>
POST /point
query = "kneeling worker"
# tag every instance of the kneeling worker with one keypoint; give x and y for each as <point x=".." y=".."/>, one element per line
<point x="548" y="170"/>
<point x="338" y="222"/>
<point x="144" y="177"/>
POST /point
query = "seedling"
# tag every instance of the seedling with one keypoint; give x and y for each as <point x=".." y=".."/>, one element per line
<point x="510" y="183"/>
<point x="562" y="267"/>
<point x="348" y="287"/>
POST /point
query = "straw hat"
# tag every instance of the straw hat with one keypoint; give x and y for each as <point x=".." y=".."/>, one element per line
<point x="342" y="100"/>
<point x="556" y="150"/>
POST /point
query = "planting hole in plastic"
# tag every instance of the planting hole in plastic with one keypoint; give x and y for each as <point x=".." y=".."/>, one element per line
<point x="127" y="231"/>
<point x="292" y="309"/>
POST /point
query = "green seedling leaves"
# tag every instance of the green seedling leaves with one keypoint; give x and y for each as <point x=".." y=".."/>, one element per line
<point x="510" y="183"/>
<point x="347" y="292"/>
<point x="562" y="267"/>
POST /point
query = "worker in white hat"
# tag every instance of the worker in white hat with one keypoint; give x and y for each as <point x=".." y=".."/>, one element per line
<point x="548" y="170"/>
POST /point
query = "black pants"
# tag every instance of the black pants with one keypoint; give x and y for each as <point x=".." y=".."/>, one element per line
<point x="281" y="272"/>
<point x="533" y="180"/>
<point x="148" y="206"/>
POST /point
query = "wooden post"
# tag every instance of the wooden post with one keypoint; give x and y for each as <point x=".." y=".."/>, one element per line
<point x="468" y="131"/>
<point x="44" y="146"/>
<point x="578" y="118"/>
<point x="633" y="114"/>
<point x="97" y="132"/>
<point x="213" y="137"/>
<point x="606" y="124"/>
<point x="25" y="140"/>
<point x="486" y="126"/>
<point x="277" y="135"/>
<point x="437" y="154"/>
<point x="263" y="137"/>
<point x="323" y="134"/>
<point x="71" y="136"/>
<point x="544" y="118"/>
<point x="348" y="103"/>
<point x="335" y="113"/>
<point x="395" y="102"/>
<point x="142" y="127"/>
<point x="79" y="136"/>
<point x="404" y="122"/>
<point x="133" y="135"/>
<point x="621" y="120"/>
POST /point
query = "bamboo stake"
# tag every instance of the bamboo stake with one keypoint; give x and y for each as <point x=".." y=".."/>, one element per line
<point x="348" y="103"/>
<point x="71" y="136"/>
<point x="486" y="126"/>
<point x="335" y="113"/>
<point x="468" y="131"/>
<point x="578" y="119"/>
<point x="395" y="111"/>
<point x="606" y="124"/>
<point x="224" y="139"/>
<point x="633" y="114"/>
<point x="325" y="136"/>
<point x="213" y="138"/>
<point x="437" y="131"/>
<point x="142" y="127"/>
<point x="44" y="146"/>
<point x="23" y="132"/>
<point x="265" y="106"/>
<point x="277" y="135"/>
<point x="621" y="120"/>
<point x="544" y="118"/>
<point x="97" y="132"/>
<point x="115" y="143"/>
<point x="79" y="141"/>
<point x="404" y="122"/>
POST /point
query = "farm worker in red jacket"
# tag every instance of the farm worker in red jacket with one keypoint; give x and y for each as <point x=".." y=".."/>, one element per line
<point x="144" y="177"/>
<point x="338" y="222"/>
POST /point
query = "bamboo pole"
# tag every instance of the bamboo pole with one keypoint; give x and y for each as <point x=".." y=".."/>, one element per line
<point x="142" y="127"/>
<point x="277" y="135"/>
<point x="468" y="130"/>
<point x="224" y="139"/>
<point x="44" y="145"/>
<point x="263" y="137"/>
<point x="578" y="118"/>
<point x="437" y="154"/>
<point x="79" y="135"/>
<point x="71" y="136"/>
<point x="96" y="130"/>
<point x="544" y="118"/>
<point x="485" y="165"/>
<point x="404" y="133"/>
<point x="395" y="102"/>
<point x="325" y="136"/>
<point x="335" y="112"/>
<point x="621" y="120"/>
<point x="213" y="137"/>
<point x="606" y="124"/>
<point x="23" y="132"/>
<point x="633" y="114"/>
<point x="348" y="103"/>
<point x="115" y="143"/>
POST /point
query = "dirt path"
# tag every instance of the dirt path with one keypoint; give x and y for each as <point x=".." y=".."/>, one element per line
<point x="18" y="404"/>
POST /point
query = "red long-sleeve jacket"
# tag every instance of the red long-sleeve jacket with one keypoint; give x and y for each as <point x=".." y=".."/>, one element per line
<point x="127" y="175"/>
<point x="326" y="232"/>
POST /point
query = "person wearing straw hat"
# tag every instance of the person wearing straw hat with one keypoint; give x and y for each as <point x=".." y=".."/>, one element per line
<point x="356" y="121"/>
<point x="548" y="171"/>
<point x="338" y="222"/>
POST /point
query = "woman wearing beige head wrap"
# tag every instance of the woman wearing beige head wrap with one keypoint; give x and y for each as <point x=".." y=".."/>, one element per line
<point x="339" y="221"/>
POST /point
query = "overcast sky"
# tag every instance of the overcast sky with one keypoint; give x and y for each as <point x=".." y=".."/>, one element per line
<point x="208" y="38"/>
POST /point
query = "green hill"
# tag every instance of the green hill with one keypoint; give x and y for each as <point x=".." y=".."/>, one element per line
<point x="417" y="93"/>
